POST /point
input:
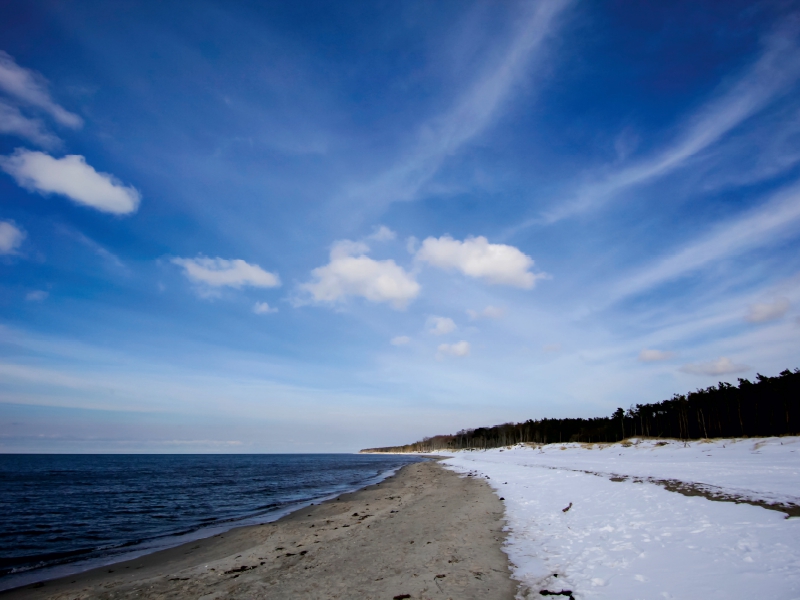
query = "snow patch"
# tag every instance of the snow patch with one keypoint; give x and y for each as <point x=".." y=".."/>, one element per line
<point x="632" y="538"/>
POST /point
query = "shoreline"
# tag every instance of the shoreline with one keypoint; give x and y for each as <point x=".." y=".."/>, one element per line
<point x="424" y="530"/>
<point x="170" y="541"/>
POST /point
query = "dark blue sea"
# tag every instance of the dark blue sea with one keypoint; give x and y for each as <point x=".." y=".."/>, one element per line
<point x="65" y="513"/>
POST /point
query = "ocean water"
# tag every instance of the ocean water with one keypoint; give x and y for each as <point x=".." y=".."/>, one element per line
<point x="60" y="514"/>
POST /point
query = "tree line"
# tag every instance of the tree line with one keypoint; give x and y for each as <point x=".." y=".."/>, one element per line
<point x="768" y="406"/>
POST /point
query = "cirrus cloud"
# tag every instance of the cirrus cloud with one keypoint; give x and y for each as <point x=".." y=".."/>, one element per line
<point x="722" y="366"/>
<point x="72" y="177"/>
<point x="475" y="257"/>
<point x="490" y="312"/>
<point x="13" y="122"/>
<point x="218" y="272"/>
<point x="654" y="355"/>
<point x="30" y="88"/>
<point x="400" y="340"/>
<point x="768" y="311"/>
<point x="11" y="237"/>
<point x="351" y="273"/>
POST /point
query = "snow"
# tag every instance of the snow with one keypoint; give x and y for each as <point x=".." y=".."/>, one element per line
<point x="634" y="539"/>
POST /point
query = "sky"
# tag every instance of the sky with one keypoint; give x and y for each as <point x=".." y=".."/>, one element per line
<point x="324" y="226"/>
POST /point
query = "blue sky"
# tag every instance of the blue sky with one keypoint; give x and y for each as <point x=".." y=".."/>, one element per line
<point x="322" y="226"/>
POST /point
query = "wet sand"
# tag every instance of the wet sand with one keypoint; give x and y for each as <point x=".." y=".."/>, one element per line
<point x="425" y="533"/>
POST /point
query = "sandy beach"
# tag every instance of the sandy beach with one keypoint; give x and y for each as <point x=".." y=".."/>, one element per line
<point x="424" y="533"/>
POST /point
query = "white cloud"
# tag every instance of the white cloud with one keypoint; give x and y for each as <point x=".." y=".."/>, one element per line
<point x="476" y="257"/>
<point x="654" y="355"/>
<point x="349" y="275"/>
<point x="490" y="312"/>
<point x="218" y="272"/>
<point x="440" y="325"/>
<point x="775" y="70"/>
<point x="71" y="177"/>
<point x="13" y="122"/>
<point x="11" y="237"/>
<point x="721" y="366"/>
<point x="461" y="348"/>
<point x="382" y="234"/>
<point x="262" y="308"/>
<point x="412" y="244"/>
<point x="345" y="248"/>
<point x="760" y="313"/>
<point x="400" y="340"/>
<point x="36" y="296"/>
<point x="31" y="88"/>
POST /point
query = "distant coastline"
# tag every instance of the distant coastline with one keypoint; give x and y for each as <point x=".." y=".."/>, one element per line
<point x="769" y="406"/>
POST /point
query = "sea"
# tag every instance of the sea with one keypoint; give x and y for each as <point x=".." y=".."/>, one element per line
<point x="62" y="514"/>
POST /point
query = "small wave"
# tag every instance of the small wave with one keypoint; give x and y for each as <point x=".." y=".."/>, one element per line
<point x="66" y="510"/>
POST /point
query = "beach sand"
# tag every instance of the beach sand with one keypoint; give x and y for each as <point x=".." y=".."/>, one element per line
<point x="424" y="533"/>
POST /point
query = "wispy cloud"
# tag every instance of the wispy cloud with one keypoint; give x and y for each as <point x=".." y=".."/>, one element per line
<point x="654" y="355"/>
<point x="733" y="163"/>
<point x="770" y="75"/>
<point x="13" y="122"/>
<point x="761" y="312"/>
<point x="459" y="349"/>
<point x="766" y="224"/>
<point x="712" y="324"/>
<point x="472" y="112"/>
<point x="11" y="237"/>
<point x="722" y="366"/>
<point x="30" y="88"/>
<point x="109" y="257"/>
<point x="490" y="312"/>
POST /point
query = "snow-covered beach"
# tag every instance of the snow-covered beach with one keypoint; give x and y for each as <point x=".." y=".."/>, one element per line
<point x="625" y="535"/>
